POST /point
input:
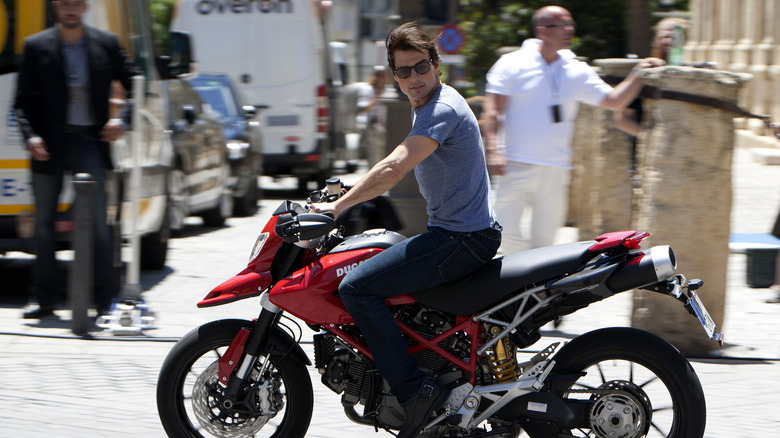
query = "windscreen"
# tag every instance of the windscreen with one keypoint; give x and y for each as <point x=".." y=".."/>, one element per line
<point x="217" y="99"/>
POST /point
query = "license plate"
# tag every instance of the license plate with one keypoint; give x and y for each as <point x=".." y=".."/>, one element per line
<point x="704" y="317"/>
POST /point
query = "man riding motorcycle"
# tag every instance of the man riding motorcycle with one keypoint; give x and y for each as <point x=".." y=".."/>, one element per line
<point x="444" y="148"/>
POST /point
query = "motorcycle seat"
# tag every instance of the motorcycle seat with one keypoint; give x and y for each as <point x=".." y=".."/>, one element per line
<point x="503" y="276"/>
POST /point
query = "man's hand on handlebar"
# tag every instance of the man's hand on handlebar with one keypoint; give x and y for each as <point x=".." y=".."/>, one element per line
<point x="323" y="201"/>
<point x="324" y="208"/>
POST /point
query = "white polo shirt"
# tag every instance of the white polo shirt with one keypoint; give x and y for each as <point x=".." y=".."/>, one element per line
<point x="533" y="87"/>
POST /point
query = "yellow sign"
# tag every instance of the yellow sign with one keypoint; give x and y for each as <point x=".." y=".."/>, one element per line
<point x="30" y="18"/>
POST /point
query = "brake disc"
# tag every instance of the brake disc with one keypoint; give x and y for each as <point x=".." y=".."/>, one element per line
<point x="206" y="402"/>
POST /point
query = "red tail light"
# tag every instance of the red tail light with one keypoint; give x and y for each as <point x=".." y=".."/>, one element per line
<point x="635" y="241"/>
<point x="323" y="110"/>
<point x="624" y="239"/>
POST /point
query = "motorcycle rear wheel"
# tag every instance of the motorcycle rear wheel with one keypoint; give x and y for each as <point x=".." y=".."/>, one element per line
<point x="187" y="396"/>
<point x="647" y="387"/>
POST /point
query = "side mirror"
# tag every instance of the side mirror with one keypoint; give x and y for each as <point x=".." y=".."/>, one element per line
<point x="249" y="111"/>
<point x="180" y="53"/>
<point x="189" y="113"/>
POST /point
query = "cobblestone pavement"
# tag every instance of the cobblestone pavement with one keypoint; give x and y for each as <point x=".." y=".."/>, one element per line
<point x="54" y="384"/>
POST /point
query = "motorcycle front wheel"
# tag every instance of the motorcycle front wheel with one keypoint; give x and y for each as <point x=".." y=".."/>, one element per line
<point x="189" y="397"/>
<point x="639" y="384"/>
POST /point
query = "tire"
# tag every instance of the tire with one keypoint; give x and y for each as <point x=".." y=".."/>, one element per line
<point x="216" y="216"/>
<point x="652" y="381"/>
<point x="178" y="198"/>
<point x="191" y="367"/>
<point x="303" y="185"/>
<point x="246" y="205"/>
<point x="154" y="246"/>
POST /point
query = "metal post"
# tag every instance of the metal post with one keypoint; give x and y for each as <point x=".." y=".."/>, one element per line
<point x="129" y="315"/>
<point x="132" y="287"/>
<point x="81" y="278"/>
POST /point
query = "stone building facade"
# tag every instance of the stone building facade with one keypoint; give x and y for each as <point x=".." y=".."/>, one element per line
<point x="742" y="36"/>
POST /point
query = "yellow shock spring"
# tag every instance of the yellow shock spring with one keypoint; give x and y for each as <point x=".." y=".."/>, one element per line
<point x="504" y="361"/>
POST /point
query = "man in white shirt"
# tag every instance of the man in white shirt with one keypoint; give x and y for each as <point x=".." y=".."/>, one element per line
<point x="536" y="90"/>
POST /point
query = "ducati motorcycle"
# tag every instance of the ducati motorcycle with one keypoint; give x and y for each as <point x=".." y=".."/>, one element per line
<point x="238" y="378"/>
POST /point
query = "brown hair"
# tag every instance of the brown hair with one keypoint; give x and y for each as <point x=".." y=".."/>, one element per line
<point x="408" y="37"/>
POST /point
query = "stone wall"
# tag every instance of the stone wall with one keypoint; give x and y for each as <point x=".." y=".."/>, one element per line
<point x="742" y="36"/>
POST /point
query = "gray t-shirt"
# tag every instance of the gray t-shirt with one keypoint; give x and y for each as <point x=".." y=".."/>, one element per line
<point x="76" y="63"/>
<point x="454" y="179"/>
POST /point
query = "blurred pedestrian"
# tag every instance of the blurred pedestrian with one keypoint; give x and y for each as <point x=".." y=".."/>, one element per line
<point x="536" y="90"/>
<point x="63" y="95"/>
<point x="372" y="115"/>
<point x="629" y="120"/>
<point x="776" y="232"/>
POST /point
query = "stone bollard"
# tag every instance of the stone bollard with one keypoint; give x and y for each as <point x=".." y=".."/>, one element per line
<point x="601" y="191"/>
<point x="685" y="197"/>
<point x="405" y="196"/>
<point x="81" y="279"/>
<point x="584" y="146"/>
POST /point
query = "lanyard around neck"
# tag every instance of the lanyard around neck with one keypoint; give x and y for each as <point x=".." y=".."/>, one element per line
<point x="552" y="72"/>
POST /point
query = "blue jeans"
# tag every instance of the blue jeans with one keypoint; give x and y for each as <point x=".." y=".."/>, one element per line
<point x="47" y="287"/>
<point x="416" y="264"/>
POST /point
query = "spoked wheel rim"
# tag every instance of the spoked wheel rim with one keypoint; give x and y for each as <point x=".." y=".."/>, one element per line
<point x="202" y="399"/>
<point x="622" y="391"/>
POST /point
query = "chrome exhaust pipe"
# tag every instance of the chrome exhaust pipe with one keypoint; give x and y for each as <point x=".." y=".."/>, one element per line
<point x="643" y="268"/>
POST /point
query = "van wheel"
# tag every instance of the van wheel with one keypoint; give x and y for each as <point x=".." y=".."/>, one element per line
<point x="303" y="185"/>
<point x="216" y="216"/>
<point x="177" y="198"/>
<point x="247" y="205"/>
<point x="154" y="246"/>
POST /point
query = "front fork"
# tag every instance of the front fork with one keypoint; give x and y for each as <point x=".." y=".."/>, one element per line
<point x="238" y="361"/>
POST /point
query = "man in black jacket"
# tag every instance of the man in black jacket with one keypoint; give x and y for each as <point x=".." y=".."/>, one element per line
<point x="62" y="106"/>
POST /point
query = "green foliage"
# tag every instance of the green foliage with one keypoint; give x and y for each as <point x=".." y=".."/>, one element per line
<point x="490" y="25"/>
<point x="162" y="10"/>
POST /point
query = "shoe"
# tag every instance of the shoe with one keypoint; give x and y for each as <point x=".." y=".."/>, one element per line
<point x="419" y="411"/>
<point x="36" y="311"/>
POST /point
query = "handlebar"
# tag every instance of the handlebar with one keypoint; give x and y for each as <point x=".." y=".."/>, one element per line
<point x="334" y="189"/>
<point x="297" y="227"/>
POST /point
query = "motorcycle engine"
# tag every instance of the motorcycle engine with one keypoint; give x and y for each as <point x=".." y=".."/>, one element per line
<point x="431" y="323"/>
<point x="353" y="375"/>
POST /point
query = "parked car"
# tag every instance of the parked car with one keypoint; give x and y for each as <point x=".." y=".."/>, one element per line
<point x="199" y="180"/>
<point x="243" y="135"/>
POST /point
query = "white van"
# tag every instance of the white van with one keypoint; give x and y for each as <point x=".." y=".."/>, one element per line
<point x="275" y="53"/>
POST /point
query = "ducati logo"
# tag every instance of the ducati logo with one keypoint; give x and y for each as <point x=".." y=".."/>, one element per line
<point x="340" y="272"/>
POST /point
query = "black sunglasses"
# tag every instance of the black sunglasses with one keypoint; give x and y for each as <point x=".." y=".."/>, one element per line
<point x="562" y="25"/>
<point x="421" y="68"/>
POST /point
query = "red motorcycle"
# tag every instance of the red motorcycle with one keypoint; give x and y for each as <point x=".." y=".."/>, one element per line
<point x="237" y="378"/>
